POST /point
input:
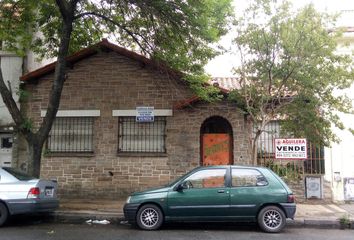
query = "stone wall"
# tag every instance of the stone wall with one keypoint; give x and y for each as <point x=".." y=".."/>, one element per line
<point x="108" y="81"/>
<point x="298" y="188"/>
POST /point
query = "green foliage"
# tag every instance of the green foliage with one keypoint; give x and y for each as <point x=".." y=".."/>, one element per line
<point x="27" y="124"/>
<point x="290" y="69"/>
<point x="206" y="92"/>
<point x="22" y="94"/>
<point x="17" y="19"/>
<point x="351" y="131"/>
<point x="345" y="219"/>
<point x="46" y="152"/>
<point x="286" y="171"/>
<point x="178" y="33"/>
<point x="86" y="31"/>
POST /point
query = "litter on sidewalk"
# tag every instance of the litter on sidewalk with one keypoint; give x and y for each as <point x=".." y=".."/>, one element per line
<point x="103" y="222"/>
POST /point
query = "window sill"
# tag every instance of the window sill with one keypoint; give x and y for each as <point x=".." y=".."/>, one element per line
<point x="68" y="154"/>
<point x="132" y="154"/>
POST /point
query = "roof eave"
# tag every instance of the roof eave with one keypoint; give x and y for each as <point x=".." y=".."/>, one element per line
<point x="86" y="52"/>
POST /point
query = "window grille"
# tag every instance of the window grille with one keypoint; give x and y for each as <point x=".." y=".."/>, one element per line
<point x="266" y="139"/>
<point x="146" y="137"/>
<point x="71" y="134"/>
<point x="315" y="163"/>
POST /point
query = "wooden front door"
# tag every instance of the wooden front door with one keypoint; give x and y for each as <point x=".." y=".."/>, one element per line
<point x="216" y="149"/>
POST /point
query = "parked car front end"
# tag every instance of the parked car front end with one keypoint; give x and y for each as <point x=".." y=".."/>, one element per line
<point x="157" y="196"/>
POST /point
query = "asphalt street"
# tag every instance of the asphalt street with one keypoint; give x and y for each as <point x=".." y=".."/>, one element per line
<point x="38" y="230"/>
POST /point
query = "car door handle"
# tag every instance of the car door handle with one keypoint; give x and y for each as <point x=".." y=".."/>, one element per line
<point x="221" y="191"/>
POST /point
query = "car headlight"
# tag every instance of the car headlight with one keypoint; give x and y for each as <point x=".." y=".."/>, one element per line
<point x="128" y="199"/>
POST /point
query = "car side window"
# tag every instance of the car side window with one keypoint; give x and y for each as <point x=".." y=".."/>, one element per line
<point x="243" y="177"/>
<point x="210" y="178"/>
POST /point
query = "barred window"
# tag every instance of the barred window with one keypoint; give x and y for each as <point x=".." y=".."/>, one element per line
<point x="147" y="137"/>
<point x="71" y="135"/>
<point x="265" y="141"/>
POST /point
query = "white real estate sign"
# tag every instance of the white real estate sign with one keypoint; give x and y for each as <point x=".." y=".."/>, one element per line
<point x="290" y="148"/>
<point x="144" y="114"/>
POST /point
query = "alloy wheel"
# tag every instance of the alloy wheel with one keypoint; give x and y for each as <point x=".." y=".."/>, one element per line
<point x="272" y="219"/>
<point x="149" y="217"/>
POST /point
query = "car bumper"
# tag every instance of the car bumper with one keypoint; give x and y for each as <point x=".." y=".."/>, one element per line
<point x="23" y="206"/>
<point x="130" y="210"/>
<point x="290" y="209"/>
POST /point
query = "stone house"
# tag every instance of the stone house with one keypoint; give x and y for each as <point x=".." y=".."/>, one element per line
<point x="126" y="123"/>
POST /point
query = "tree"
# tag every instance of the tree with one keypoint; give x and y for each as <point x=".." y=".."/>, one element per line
<point x="289" y="71"/>
<point x="177" y="33"/>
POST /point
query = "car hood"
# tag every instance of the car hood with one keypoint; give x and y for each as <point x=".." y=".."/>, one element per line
<point x="152" y="190"/>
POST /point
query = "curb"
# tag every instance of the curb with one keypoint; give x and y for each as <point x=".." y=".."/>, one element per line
<point x="82" y="217"/>
<point x="117" y="218"/>
<point x="313" y="223"/>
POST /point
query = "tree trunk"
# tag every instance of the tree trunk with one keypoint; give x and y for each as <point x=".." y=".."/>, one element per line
<point x="34" y="158"/>
<point x="255" y="148"/>
<point x="254" y="152"/>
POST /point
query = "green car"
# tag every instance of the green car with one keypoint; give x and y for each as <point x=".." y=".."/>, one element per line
<point x="216" y="193"/>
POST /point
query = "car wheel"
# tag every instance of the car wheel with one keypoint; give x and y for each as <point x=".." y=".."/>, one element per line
<point x="149" y="217"/>
<point x="271" y="219"/>
<point x="3" y="213"/>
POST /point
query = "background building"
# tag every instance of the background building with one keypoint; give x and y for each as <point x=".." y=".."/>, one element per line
<point x="340" y="156"/>
<point x="13" y="67"/>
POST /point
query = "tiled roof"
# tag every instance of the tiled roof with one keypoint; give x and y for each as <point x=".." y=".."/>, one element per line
<point x="229" y="83"/>
<point x="225" y="84"/>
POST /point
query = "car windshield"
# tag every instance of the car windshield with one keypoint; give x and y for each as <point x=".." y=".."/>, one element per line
<point x="177" y="179"/>
<point x="18" y="174"/>
<point x="174" y="182"/>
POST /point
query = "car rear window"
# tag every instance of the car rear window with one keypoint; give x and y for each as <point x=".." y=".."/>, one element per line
<point x="244" y="177"/>
<point x="18" y="174"/>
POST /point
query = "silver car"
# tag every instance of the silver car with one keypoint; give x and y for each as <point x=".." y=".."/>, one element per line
<point x="21" y="194"/>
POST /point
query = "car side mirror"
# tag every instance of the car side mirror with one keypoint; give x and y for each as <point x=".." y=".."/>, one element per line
<point x="262" y="183"/>
<point x="179" y="187"/>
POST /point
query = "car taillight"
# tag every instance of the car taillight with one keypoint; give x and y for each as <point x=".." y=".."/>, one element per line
<point x="33" y="193"/>
<point x="291" y="198"/>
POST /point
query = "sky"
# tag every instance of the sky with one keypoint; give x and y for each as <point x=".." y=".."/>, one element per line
<point x="222" y="65"/>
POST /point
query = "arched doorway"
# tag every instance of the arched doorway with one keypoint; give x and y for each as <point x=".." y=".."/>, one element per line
<point x="216" y="142"/>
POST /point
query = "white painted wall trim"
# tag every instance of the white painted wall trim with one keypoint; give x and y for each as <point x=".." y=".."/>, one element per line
<point x="75" y="113"/>
<point x="132" y="112"/>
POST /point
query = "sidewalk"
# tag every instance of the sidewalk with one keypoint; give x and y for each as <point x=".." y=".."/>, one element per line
<point x="307" y="215"/>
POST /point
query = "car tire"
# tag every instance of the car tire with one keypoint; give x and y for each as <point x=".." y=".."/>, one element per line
<point x="271" y="219"/>
<point x="149" y="217"/>
<point x="4" y="213"/>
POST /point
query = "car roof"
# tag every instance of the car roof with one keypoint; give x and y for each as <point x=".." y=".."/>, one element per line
<point x="6" y="176"/>
<point x="228" y="166"/>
